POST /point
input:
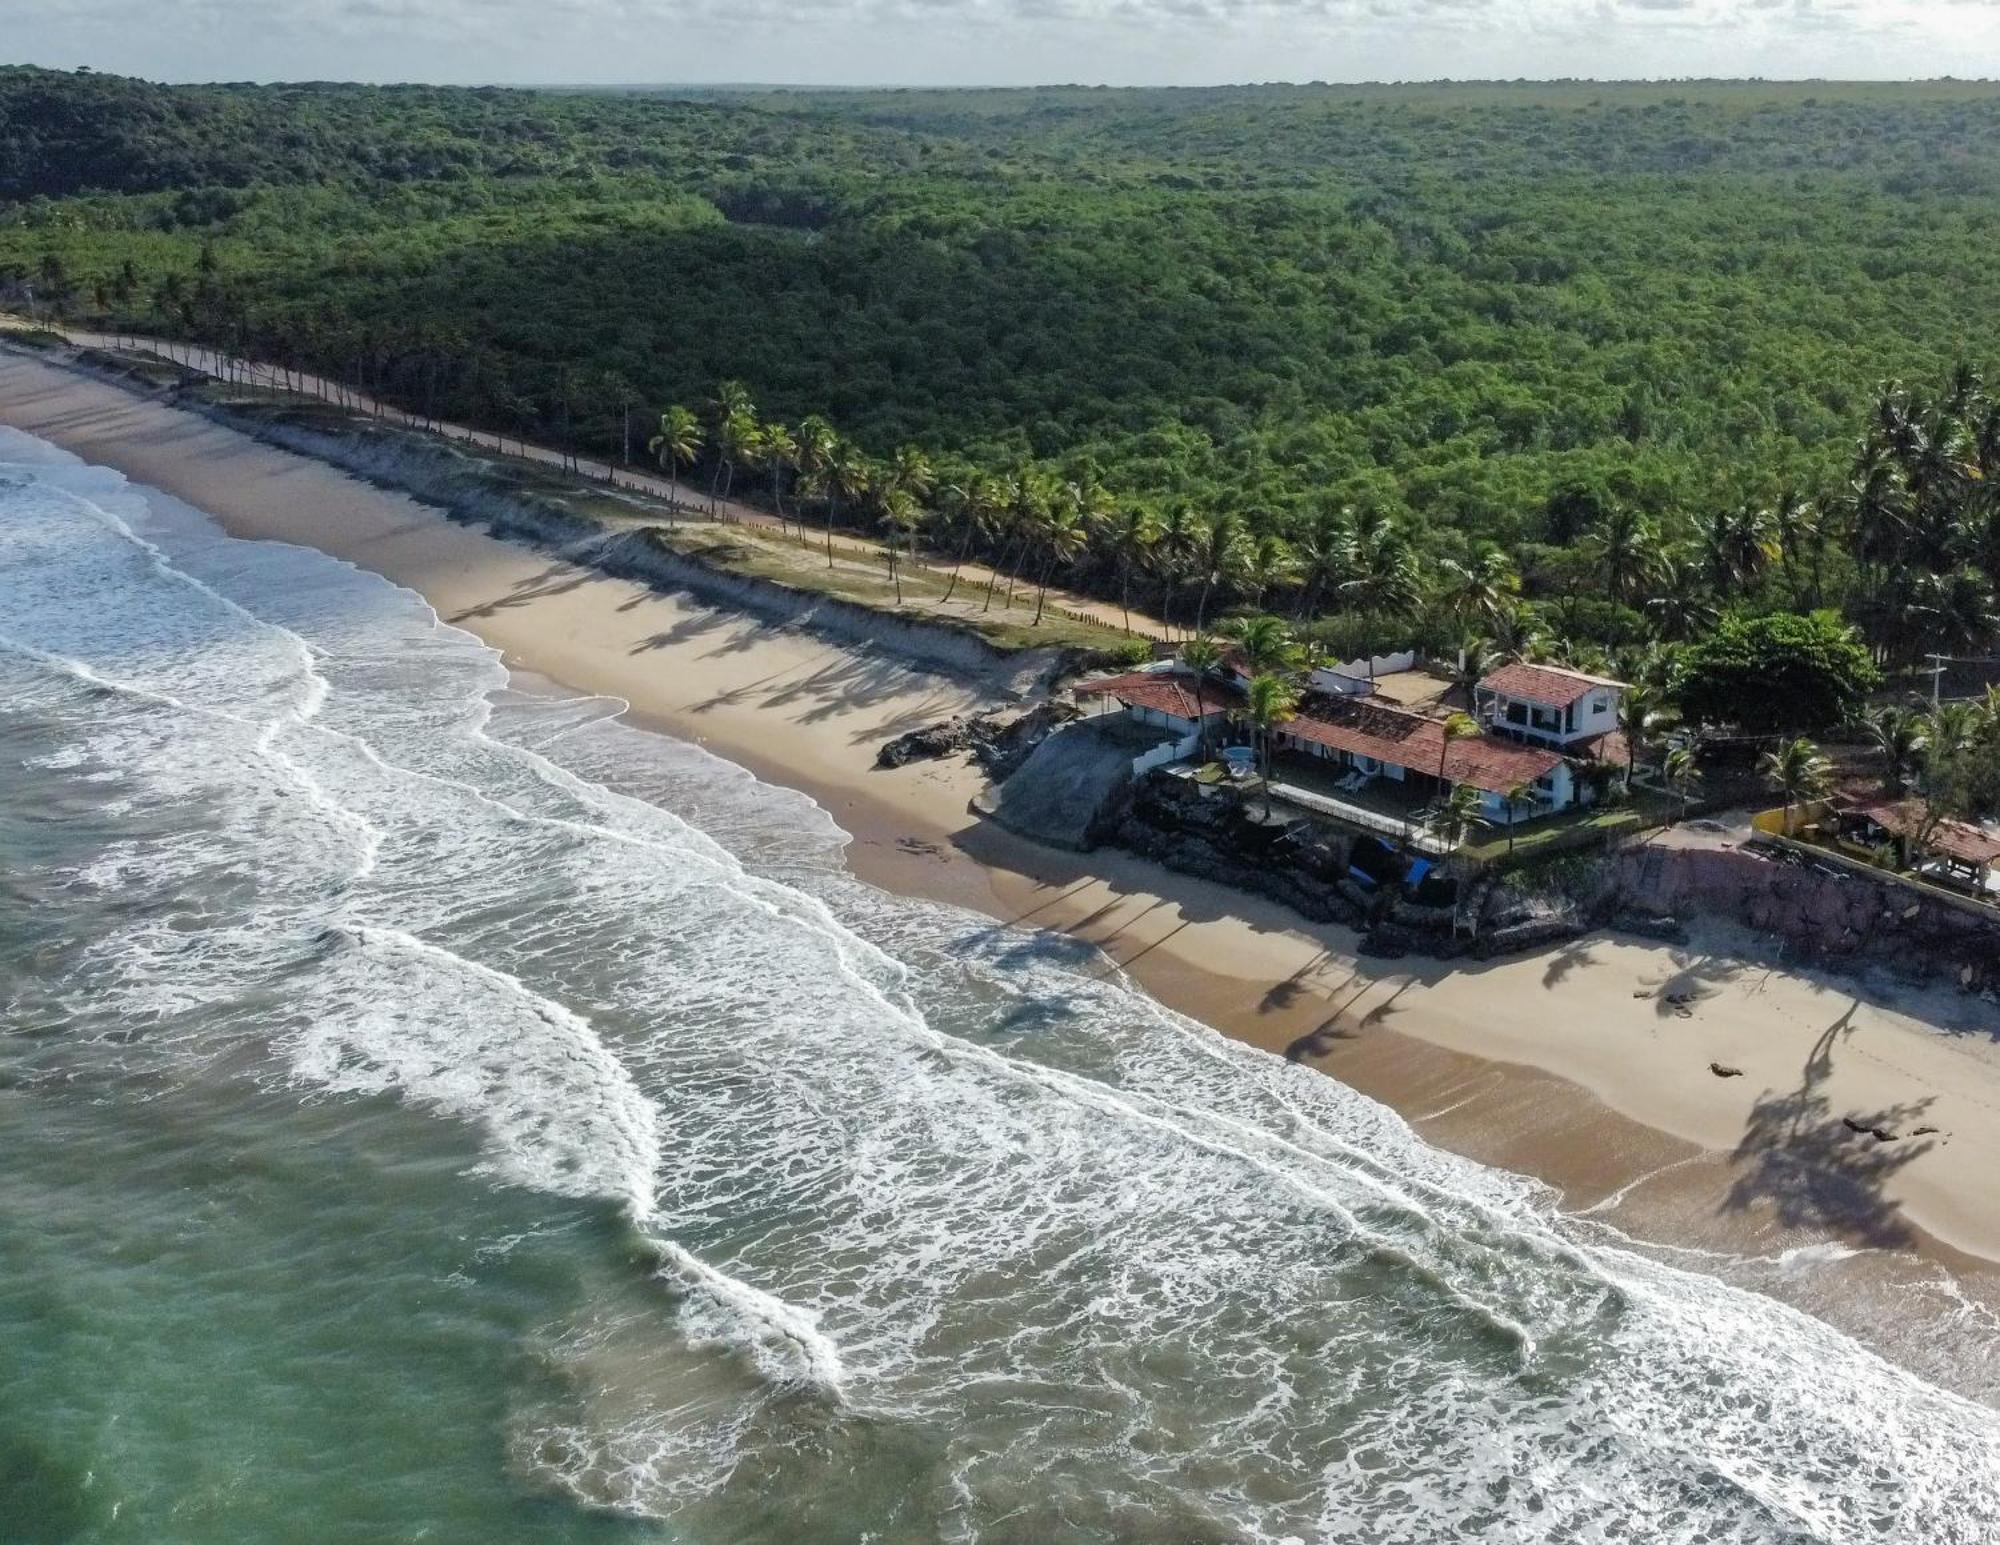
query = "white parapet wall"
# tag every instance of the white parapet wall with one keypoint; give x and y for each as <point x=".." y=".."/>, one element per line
<point x="1356" y="678"/>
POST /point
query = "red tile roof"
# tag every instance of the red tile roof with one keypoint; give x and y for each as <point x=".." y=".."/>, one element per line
<point x="1168" y="692"/>
<point x="1496" y="766"/>
<point x="1411" y="740"/>
<point x="1961" y="840"/>
<point x="1549" y="684"/>
<point x="1611" y="747"/>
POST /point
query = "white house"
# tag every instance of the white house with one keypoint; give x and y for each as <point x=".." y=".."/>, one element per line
<point x="1165" y="697"/>
<point x="1396" y="744"/>
<point x="1550" y="706"/>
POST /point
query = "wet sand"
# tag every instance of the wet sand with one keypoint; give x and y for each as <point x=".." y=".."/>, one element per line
<point x="1574" y="1065"/>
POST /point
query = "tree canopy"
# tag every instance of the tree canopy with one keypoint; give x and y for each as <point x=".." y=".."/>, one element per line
<point x="1784" y="671"/>
<point x="1578" y="368"/>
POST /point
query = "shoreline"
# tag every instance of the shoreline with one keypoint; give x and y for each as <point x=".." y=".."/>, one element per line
<point x="1566" y="1064"/>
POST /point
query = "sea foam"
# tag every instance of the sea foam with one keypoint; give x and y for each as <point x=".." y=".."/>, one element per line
<point x="1049" y="1260"/>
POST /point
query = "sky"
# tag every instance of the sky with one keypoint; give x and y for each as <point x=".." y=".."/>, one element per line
<point x="1000" y="42"/>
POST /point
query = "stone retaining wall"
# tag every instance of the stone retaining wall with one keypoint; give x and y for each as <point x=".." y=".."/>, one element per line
<point x="1826" y="913"/>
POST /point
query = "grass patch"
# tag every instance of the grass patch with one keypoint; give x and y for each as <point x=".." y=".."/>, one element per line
<point x="763" y="554"/>
<point x="1571" y="830"/>
<point x="34" y="338"/>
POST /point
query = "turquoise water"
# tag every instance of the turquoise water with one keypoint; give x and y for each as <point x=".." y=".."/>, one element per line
<point x="429" y="1111"/>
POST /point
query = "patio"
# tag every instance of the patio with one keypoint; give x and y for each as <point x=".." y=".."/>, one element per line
<point x="1382" y="807"/>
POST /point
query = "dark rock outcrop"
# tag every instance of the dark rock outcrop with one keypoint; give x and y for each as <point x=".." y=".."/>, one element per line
<point x="1216" y="837"/>
<point x="1002" y="742"/>
<point x="926" y="744"/>
<point x="999" y="742"/>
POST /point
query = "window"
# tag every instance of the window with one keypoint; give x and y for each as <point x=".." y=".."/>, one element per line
<point x="1517" y="713"/>
<point x="1601" y="704"/>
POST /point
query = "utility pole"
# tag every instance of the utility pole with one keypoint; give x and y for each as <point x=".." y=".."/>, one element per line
<point x="1937" y="676"/>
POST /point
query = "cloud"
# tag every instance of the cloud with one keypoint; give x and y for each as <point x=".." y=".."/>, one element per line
<point x="1004" y="41"/>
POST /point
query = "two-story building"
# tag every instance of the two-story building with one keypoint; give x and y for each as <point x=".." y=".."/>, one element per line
<point x="1568" y="711"/>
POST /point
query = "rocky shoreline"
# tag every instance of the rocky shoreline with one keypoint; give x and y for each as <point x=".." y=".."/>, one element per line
<point x="1814" y="913"/>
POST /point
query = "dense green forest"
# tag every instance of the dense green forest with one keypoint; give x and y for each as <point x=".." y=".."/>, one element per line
<point x="1581" y="367"/>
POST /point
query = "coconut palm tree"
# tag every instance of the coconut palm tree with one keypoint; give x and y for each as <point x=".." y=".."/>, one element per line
<point x="814" y="441"/>
<point x="1518" y="794"/>
<point x="1386" y="578"/>
<point x="911" y="472"/>
<point x="1266" y="562"/>
<point x="901" y="516"/>
<point x="1457" y="726"/>
<point x="1875" y="509"/>
<point x="1456" y="817"/>
<point x="1952" y="727"/>
<point x="1173" y="553"/>
<point x="1474" y="661"/>
<point x="1218" y="558"/>
<point x="974" y="501"/>
<point x="1628" y="548"/>
<point x="732" y="401"/>
<point x="1269" y="702"/>
<point x="1130" y="533"/>
<point x="1682" y="768"/>
<point x="1740" y="546"/>
<point x="1795" y="531"/>
<point x="736" y="441"/>
<point x="1325" y="554"/>
<point x="1202" y="655"/>
<point x="1266" y="643"/>
<point x="1899" y="734"/>
<point x="676" y="444"/>
<point x="1481" y="586"/>
<point x="1062" y="536"/>
<point x="1947" y="610"/>
<point x="847" y="477"/>
<point x="1679" y="604"/>
<point x="779" y="453"/>
<point x="1026" y="502"/>
<point x="1797" y="772"/>
<point x="1954" y="737"/>
<point x="1517" y="633"/>
<point x="1638" y="711"/>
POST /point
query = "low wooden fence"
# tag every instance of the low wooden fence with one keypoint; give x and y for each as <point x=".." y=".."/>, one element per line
<point x="239" y="370"/>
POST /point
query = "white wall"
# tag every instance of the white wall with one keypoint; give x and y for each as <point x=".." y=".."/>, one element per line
<point x="1596" y="714"/>
<point x="1351" y="678"/>
<point x="1159" y="720"/>
<point x="1165" y="752"/>
<point x="1560" y="794"/>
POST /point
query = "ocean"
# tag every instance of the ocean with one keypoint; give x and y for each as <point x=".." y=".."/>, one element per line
<point x="434" y="1110"/>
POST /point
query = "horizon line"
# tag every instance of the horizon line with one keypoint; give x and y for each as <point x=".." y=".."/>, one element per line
<point x="1316" y="83"/>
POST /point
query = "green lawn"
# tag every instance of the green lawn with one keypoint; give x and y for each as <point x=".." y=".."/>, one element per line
<point x="1572" y="829"/>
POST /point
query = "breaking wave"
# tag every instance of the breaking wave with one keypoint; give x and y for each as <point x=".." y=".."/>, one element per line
<point x="951" y="1238"/>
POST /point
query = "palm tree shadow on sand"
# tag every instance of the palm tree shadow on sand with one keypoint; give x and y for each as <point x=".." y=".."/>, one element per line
<point x="1809" y="1166"/>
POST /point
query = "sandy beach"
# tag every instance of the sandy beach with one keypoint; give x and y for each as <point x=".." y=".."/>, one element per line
<point x="1572" y="1065"/>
